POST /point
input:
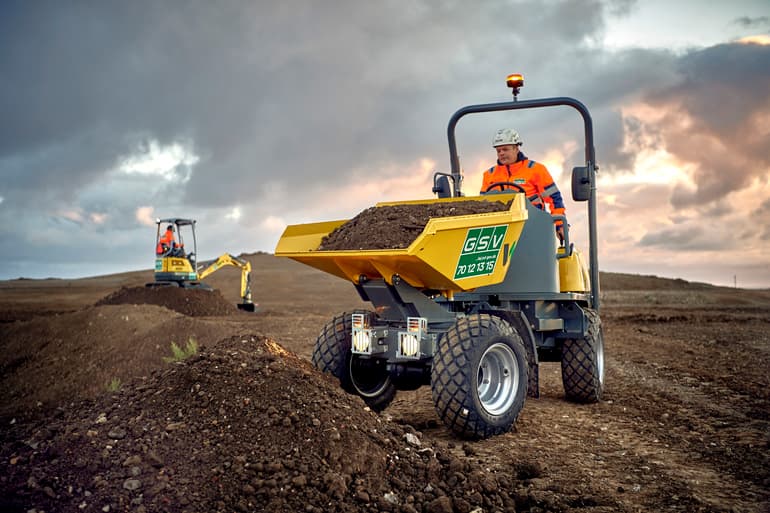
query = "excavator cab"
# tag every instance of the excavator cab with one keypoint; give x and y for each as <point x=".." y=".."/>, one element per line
<point x="176" y="263"/>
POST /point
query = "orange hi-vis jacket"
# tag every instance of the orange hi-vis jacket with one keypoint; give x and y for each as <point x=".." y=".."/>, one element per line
<point x="165" y="242"/>
<point x="531" y="176"/>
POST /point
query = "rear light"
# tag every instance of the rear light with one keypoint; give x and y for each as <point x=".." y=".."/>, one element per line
<point x="409" y="340"/>
<point x="361" y="337"/>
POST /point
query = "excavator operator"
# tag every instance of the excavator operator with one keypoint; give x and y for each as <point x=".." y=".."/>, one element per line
<point x="533" y="178"/>
<point x="167" y="243"/>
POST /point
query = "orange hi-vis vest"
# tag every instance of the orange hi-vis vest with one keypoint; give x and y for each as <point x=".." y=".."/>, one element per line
<point x="165" y="242"/>
<point x="531" y="176"/>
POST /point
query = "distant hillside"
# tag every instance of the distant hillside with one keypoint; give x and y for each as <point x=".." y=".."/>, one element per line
<point x="266" y="263"/>
<point x="622" y="281"/>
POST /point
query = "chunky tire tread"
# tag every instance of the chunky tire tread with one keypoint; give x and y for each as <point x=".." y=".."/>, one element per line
<point x="332" y="354"/>
<point x="580" y="369"/>
<point x="332" y="345"/>
<point x="454" y="376"/>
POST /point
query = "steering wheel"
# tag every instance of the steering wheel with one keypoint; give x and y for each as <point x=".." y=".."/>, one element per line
<point x="503" y="184"/>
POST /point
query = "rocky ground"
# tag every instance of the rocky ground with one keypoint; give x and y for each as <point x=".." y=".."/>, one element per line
<point x="96" y="417"/>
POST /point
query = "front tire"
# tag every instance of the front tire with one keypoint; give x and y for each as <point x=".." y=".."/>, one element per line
<point x="365" y="377"/>
<point x="479" y="377"/>
<point x="582" y="363"/>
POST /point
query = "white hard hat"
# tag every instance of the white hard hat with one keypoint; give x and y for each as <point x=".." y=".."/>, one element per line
<point x="506" y="136"/>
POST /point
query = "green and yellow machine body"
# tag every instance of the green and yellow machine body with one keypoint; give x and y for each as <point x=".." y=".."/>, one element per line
<point x="472" y="305"/>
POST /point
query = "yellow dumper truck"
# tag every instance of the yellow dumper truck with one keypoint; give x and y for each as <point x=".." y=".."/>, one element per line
<point x="472" y="305"/>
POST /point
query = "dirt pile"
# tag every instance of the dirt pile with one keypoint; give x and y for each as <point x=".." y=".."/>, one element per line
<point x="396" y="226"/>
<point x="244" y="426"/>
<point x="683" y="426"/>
<point x="57" y="359"/>
<point x="192" y="302"/>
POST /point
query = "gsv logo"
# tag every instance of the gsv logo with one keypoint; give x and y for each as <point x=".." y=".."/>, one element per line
<point x="483" y="243"/>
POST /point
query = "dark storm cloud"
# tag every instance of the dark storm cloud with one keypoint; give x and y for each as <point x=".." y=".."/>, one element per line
<point x="761" y="214"/>
<point x="282" y="100"/>
<point x="683" y="238"/>
<point x="723" y="94"/>
<point x="621" y="8"/>
<point x="290" y="93"/>
<point x="608" y="83"/>
<point x="81" y="82"/>
<point x="296" y="92"/>
<point x="747" y="22"/>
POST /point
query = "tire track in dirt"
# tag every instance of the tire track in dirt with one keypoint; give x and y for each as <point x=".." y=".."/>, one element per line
<point x="662" y="438"/>
<point x="679" y="452"/>
<point x="684" y="424"/>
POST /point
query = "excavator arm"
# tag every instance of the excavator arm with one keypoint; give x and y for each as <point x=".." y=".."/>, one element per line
<point x="245" y="267"/>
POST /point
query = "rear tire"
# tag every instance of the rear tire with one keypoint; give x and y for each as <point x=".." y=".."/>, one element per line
<point x="365" y="377"/>
<point x="582" y="363"/>
<point x="479" y="376"/>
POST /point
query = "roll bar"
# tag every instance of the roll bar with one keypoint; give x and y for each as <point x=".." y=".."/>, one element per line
<point x="590" y="162"/>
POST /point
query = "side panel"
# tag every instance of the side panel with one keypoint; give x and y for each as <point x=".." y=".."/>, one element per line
<point x="533" y="266"/>
<point x="573" y="274"/>
<point x="174" y="269"/>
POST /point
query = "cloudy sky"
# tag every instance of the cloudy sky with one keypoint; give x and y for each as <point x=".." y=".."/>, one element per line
<point x="251" y="115"/>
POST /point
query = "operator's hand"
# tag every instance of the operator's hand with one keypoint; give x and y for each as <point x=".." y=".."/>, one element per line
<point x="560" y="233"/>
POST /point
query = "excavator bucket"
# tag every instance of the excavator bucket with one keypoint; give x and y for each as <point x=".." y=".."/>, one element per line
<point x="247" y="307"/>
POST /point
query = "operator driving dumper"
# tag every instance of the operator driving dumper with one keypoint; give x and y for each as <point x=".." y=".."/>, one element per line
<point x="473" y="304"/>
<point x="176" y="267"/>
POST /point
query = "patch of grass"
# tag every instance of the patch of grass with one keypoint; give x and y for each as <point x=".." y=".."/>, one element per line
<point x="114" y="385"/>
<point x="178" y="353"/>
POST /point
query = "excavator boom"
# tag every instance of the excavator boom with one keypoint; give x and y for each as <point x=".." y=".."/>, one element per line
<point x="177" y="265"/>
<point x="245" y="267"/>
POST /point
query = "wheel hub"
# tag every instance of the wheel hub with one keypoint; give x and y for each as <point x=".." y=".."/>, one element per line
<point x="498" y="379"/>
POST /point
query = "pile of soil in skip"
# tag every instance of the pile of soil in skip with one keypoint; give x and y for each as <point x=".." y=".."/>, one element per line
<point x="192" y="302"/>
<point x="397" y="226"/>
<point x="241" y="426"/>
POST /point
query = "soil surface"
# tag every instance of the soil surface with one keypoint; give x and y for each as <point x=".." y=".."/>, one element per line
<point x="397" y="226"/>
<point x="193" y="301"/>
<point x="94" y="416"/>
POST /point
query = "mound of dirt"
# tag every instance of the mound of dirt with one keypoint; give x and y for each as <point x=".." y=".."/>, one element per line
<point x="683" y="425"/>
<point x="396" y="226"/>
<point x="57" y="359"/>
<point x="192" y="302"/>
<point x="244" y="426"/>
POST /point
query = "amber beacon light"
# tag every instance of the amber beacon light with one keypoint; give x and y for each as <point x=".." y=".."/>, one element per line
<point x="515" y="82"/>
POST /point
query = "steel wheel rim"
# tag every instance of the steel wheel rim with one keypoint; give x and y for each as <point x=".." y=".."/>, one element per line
<point x="600" y="358"/>
<point x="498" y="378"/>
<point x="367" y="387"/>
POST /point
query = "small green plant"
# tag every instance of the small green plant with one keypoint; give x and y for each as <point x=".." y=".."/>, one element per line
<point x="178" y="354"/>
<point x="114" y="385"/>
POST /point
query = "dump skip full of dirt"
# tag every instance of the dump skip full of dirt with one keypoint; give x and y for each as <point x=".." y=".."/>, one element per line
<point x="397" y="226"/>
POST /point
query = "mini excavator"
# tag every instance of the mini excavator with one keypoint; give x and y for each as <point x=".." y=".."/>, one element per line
<point x="175" y="266"/>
